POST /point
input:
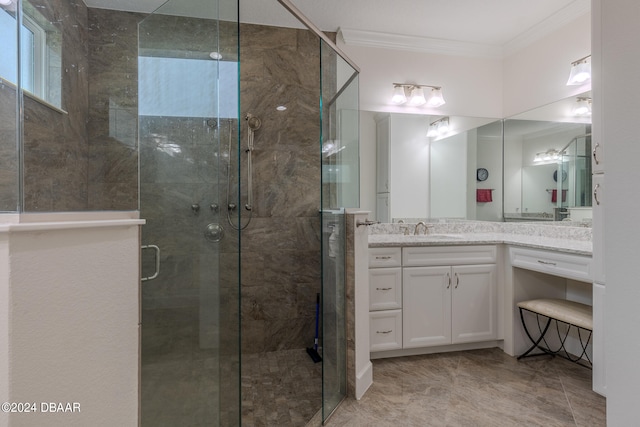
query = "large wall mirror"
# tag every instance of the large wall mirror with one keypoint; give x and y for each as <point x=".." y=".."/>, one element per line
<point x="547" y="167"/>
<point x="438" y="167"/>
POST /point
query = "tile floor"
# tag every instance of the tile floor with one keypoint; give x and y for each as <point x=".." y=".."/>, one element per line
<point x="475" y="388"/>
<point x="280" y="388"/>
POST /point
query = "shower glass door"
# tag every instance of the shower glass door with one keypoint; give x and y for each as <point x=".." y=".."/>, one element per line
<point x="188" y="116"/>
<point x="340" y="190"/>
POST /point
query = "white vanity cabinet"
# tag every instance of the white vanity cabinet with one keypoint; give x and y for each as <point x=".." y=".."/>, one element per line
<point x="449" y="304"/>
<point x="430" y="296"/>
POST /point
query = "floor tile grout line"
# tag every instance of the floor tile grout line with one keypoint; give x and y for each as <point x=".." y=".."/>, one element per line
<point x="566" y="396"/>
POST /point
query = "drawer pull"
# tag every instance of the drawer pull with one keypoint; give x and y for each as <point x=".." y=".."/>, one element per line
<point x="383" y="257"/>
<point x="546" y="262"/>
<point x="384" y="332"/>
<point x="457" y="280"/>
<point x="383" y="289"/>
<point x="449" y="280"/>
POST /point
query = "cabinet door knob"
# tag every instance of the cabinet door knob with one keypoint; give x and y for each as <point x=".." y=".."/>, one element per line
<point x="383" y="289"/>
<point x="595" y="194"/>
<point x="384" y="332"/>
<point x="448" y="280"/>
<point x="457" y="280"/>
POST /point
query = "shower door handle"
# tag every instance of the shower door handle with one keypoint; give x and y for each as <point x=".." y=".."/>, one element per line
<point x="156" y="251"/>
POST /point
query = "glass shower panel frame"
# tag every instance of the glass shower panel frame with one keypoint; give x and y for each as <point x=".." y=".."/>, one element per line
<point x="340" y="190"/>
<point x="190" y="313"/>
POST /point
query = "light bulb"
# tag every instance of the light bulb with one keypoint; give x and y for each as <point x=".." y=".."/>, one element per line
<point x="433" y="131"/>
<point x="398" y="96"/>
<point x="443" y="127"/>
<point x="580" y="73"/>
<point x="436" y="99"/>
<point x="582" y="107"/>
<point x="417" y="97"/>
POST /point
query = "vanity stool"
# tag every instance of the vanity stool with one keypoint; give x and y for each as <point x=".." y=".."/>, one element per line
<point x="569" y="313"/>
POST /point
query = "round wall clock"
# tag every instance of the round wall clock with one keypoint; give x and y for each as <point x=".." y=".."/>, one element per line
<point x="555" y="175"/>
<point x="482" y="174"/>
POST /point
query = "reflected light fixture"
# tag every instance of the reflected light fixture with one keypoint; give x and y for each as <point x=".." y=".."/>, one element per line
<point x="416" y="95"/>
<point x="582" y="107"/>
<point x="580" y="71"/>
<point x="439" y="128"/>
<point x="547" y="157"/>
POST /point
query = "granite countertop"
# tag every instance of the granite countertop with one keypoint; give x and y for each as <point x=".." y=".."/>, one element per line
<point x="572" y="240"/>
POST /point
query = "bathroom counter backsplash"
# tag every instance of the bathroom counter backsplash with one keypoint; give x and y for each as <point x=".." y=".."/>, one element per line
<point x="562" y="237"/>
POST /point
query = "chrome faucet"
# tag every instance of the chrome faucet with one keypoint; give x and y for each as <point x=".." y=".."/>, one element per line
<point x="426" y="228"/>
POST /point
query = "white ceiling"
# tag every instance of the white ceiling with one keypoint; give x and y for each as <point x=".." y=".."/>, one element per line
<point x="489" y="22"/>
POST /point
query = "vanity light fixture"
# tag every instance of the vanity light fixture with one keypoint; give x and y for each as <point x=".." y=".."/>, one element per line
<point x="582" y="107"/>
<point x="417" y="96"/>
<point x="580" y="71"/>
<point x="547" y="157"/>
<point x="439" y="128"/>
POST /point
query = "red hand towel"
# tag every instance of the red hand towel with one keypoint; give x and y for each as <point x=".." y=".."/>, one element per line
<point x="483" y="195"/>
<point x="554" y="196"/>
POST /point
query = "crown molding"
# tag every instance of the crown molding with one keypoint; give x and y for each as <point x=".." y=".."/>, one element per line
<point x="418" y="44"/>
<point x="559" y="19"/>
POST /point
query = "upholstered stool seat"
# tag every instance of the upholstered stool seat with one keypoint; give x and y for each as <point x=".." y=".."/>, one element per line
<point x="570" y="313"/>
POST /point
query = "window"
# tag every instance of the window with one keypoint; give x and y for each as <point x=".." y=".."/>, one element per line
<point x="40" y="53"/>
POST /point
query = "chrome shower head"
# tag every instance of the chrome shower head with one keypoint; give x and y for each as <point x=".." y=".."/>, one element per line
<point x="253" y="122"/>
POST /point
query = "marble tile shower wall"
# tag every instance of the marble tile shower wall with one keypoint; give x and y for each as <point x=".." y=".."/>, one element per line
<point x="56" y="144"/>
<point x="280" y="249"/>
<point x="85" y="159"/>
<point x="113" y="110"/>
<point x="8" y="149"/>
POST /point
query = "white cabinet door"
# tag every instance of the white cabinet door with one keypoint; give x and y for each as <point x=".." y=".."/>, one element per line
<point x="598" y="228"/>
<point x="597" y="141"/>
<point x="383" y="135"/>
<point x="426" y="306"/>
<point x="474" y="311"/>
<point x="383" y="210"/>
<point x="385" y="288"/>
<point x="599" y="372"/>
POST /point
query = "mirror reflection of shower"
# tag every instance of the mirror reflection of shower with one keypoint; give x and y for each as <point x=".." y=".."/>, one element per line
<point x="253" y="124"/>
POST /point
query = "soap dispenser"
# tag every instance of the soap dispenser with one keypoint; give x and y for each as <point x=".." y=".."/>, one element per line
<point x="334" y="241"/>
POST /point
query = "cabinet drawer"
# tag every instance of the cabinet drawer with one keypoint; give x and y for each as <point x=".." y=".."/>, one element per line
<point x="385" y="330"/>
<point x="385" y="288"/>
<point x="577" y="267"/>
<point x="385" y="257"/>
<point x="448" y="255"/>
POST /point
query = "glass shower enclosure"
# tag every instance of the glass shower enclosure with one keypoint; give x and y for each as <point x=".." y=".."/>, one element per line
<point x="244" y="196"/>
<point x="188" y="119"/>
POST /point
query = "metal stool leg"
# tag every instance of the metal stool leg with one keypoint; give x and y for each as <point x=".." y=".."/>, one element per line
<point x="535" y="342"/>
